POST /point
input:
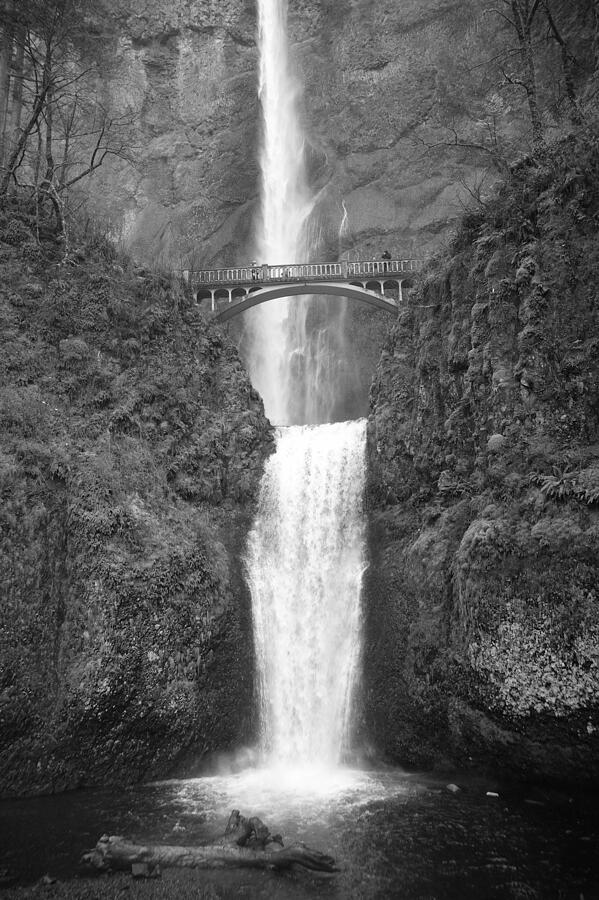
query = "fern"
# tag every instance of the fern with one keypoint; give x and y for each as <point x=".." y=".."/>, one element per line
<point x="563" y="484"/>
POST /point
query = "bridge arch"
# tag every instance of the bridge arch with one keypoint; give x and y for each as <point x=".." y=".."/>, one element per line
<point x="263" y="295"/>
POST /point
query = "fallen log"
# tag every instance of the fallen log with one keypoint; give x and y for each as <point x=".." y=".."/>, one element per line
<point x="244" y="844"/>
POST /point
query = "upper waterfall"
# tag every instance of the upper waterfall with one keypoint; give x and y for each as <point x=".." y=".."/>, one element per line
<point x="277" y="334"/>
<point x="286" y="203"/>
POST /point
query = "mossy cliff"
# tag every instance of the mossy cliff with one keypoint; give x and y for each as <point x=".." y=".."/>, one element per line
<point x="131" y="447"/>
<point x="484" y="488"/>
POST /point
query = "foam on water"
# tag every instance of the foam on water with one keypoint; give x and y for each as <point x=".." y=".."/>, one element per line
<point x="290" y="798"/>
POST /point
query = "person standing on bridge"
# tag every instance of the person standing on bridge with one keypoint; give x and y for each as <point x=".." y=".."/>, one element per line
<point x="255" y="271"/>
<point x="385" y="255"/>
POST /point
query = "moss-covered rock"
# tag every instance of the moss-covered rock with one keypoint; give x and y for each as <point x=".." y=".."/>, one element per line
<point x="483" y="487"/>
<point x="131" y="448"/>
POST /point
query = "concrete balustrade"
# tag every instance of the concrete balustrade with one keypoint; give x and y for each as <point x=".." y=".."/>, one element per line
<point x="366" y="278"/>
<point x="244" y="275"/>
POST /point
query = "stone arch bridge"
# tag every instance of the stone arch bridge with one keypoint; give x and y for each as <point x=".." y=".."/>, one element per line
<point x="231" y="291"/>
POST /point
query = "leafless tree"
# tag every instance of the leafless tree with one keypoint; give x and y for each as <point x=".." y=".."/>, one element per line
<point x="61" y="131"/>
<point x="520" y="15"/>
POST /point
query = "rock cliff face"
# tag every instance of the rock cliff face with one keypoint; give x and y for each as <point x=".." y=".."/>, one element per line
<point x="131" y="447"/>
<point x="381" y="87"/>
<point x="484" y="489"/>
<point x="131" y="442"/>
<point x="186" y="72"/>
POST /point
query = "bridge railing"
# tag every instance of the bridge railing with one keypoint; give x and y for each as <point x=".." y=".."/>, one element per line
<point x="327" y="271"/>
<point x="214" y="276"/>
<point x="303" y="271"/>
<point x="384" y="266"/>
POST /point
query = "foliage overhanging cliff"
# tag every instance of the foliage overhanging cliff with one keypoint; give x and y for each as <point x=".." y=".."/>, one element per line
<point x="484" y="486"/>
<point x="131" y="447"/>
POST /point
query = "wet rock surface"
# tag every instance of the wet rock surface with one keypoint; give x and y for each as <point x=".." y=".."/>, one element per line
<point x="484" y="481"/>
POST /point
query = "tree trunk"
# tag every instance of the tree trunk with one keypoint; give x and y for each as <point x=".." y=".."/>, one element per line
<point x="530" y="80"/>
<point x="7" y="30"/>
<point x="524" y="12"/>
<point x="47" y="185"/>
<point x="14" y="159"/>
<point x="532" y="93"/>
<point x="568" y="66"/>
<point x="67" y="130"/>
<point x="49" y="115"/>
<point x="246" y="843"/>
<point x="117" y="853"/>
<point x="16" y="99"/>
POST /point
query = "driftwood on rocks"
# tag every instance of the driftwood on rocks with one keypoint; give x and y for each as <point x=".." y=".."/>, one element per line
<point x="246" y="843"/>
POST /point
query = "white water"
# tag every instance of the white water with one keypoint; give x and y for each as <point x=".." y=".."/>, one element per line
<point x="277" y="328"/>
<point x="305" y="562"/>
<point x="305" y="554"/>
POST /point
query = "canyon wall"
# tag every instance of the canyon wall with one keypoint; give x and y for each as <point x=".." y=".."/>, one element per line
<point x="132" y="442"/>
<point x="484" y="489"/>
<point x="131" y="449"/>
<point x="372" y="73"/>
<point x="403" y="117"/>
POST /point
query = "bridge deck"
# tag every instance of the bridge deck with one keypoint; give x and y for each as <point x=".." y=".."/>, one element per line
<point x="375" y="269"/>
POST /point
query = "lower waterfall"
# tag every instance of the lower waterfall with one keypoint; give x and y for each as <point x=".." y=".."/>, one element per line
<point x="305" y="560"/>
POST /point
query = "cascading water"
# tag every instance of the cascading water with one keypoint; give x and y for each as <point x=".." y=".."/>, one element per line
<point x="305" y="553"/>
<point x="305" y="563"/>
<point x="277" y="329"/>
<point x="292" y="362"/>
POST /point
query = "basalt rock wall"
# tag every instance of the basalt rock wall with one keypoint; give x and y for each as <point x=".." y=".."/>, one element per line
<point x="379" y="90"/>
<point x="371" y="73"/>
<point x="482" y="634"/>
<point x="382" y="92"/>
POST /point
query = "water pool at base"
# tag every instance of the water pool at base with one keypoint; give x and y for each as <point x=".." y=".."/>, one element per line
<point x="393" y="834"/>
